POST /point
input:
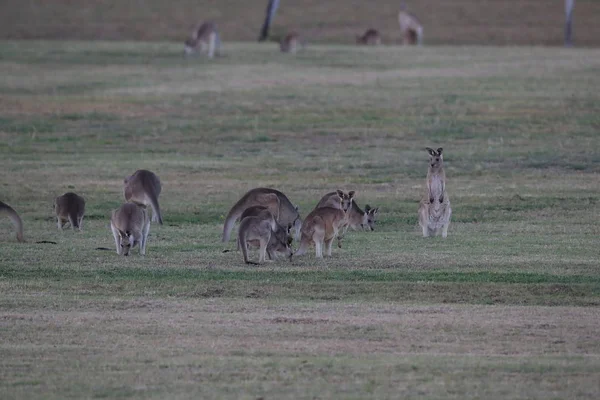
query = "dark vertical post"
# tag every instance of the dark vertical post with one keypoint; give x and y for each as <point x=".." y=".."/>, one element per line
<point x="569" y="4"/>
<point x="271" y="8"/>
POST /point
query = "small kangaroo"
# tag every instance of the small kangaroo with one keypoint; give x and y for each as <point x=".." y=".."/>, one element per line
<point x="279" y="236"/>
<point x="143" y="187"/>
<point x="434" y="209"/>
<point x="290" y="43"/>
<point x="14" y="218"/>
<point x="130" y="226"/>
<point x="70" y="208"/>
<point x="320" y="227"/>
<point x="280" y="206"/>
<point x="371" y="37"/>
<point x="262" y="230"/>
<point x="205" y="37"/>
<point x="410" y="28"/>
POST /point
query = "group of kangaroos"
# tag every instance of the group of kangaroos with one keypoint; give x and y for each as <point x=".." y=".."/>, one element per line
<point x="205" y="38"/>
<point x="268" y="219"/>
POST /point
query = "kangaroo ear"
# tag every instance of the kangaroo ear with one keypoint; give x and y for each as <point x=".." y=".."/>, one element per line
<point x="440" y="151"/>
<point x="351" y="194"/>
<point x="375" y="210"/>
<point x="290" y="240"/>
<point x="367" y="207"/>
<point x="296" y="207"/>
<point x="340" y="193"/>
<point x="431" y="151"/>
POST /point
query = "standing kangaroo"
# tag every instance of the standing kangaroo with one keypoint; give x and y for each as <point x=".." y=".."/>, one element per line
<point x="205" y="37"/>
<point x="14" y="218"/>
<point x="434" y="209"/>
<point x="261" y="228"/>
<point x="70" y="208"/>
<point x="280" y="237"/>
<point x="280" y="206"/>
<point x="143" y="187"/>
<point x="130" y="226"/>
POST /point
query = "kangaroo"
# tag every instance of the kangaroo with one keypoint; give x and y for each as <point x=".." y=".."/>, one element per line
<point x="206" y="37"/>
<point x="70" y="208"/>
<point x="371" y="37"/>
<point x="290" y="43"/>
<point x="14" y="218"/>
<point x="337" y="199"/>
<point x="130" y="226"/>
<point x="320" y="227"/>
<point x="143" y="187"/>
<point x="434" y="209"/>
<point x="279" y="235"/>
<point x="280" y="206"/>
<point x="262" y="230"/>
<point x="410" y="28"/>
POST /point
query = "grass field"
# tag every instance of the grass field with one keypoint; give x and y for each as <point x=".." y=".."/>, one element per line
<point x="505" y="307"/>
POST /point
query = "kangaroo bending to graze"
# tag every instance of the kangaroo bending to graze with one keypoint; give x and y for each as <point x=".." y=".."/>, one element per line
<point x="279" y="236"/>
<point x="434" y="208"/>
<point x="261" y="229"/>
<point x="130" y="226"/>
<point x="70" y="207"/>
<point x="410" y="28"/>
<point x="143" y="187"/>
<point x="14" y="218"/>
<point x="371" y="37"/>
<point x="204" y="38"/>
<point x="290" y="43"/>
<point x="280" y="206"/>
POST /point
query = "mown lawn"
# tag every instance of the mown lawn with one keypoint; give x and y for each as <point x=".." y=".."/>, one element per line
<point x="505" y="307"/>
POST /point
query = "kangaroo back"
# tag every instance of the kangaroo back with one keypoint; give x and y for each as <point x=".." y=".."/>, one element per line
<point x="14" y="218"/>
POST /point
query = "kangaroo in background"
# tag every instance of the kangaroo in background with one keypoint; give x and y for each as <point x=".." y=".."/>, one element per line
<point x="434" y="209"/>
<point x="410" y="27"/>
<point x="337" y="199"/>
<point x="205" y="37"/>
<point x="290" y="43"/>
<point x="130" y="226"/>
<point x="143" y="187"/>
<point x="280" y="206"/>
<point x="261" y="229"/>
<point x="371" y="37"/>
<point x="279" y="236"/>
<point x="70" y="208"/>
<point x="14" y="218"/>
<point x="357" y="218"/>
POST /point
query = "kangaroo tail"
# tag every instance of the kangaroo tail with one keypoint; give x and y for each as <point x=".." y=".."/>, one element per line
<point x="74" y="220"/>
<point x="16" y="221"/>
<point x="212" y="39"/>
<point x="155" y="207"/>
<point x="232" y="216"/>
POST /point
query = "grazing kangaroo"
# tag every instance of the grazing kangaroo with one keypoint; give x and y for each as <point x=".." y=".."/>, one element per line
<point x="410" y="28"/>
<point x="279" y="235"/>
<point x="280" y="206"/>
<point x="130" y="226"/>
<point x="371" y="37"/>
<point x="290" y="43"/>
<point x="70" y="208"/>
<point x="143" y="187"/>
<point x="14" y="218"/>
<point x="434" y="209"/>
<point x="206" y="38"/>
<point x="261" y="229"/>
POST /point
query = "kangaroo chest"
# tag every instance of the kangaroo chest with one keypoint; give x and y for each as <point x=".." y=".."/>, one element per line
<point x="436" y="186"/>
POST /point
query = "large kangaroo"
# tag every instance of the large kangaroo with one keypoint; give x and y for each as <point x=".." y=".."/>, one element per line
<point x="434" y="209"/>
<point x="143" y="187"/>
<point x="14" y="218"/>
<point x="282" y="208"/>
<point x="70" y="207"/>
<point x="130" y="226"/>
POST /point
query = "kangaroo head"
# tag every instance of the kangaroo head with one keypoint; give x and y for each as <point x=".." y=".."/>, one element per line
<point x="370" y="217"/>
<point x="127" y="242"/>
<point x="436" y="159"/>
<point x="345" y="199"/>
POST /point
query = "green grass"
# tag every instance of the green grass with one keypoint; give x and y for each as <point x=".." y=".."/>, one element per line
<point x="505" y="307"/>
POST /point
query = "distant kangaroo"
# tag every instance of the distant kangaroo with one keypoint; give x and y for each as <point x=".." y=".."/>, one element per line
<point x="280" y="206"/>
<point x="410" y="28"/>
<point x="290" y="43"/>
<point x="70" y="208"/>
<point x="205" y="37"/>
<point x="434" y="209"/>
<point x="130" y="226"/>
<point x="371" y="37"/>
<point x="143" y="187"/>
<point x="14" y="218"/>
